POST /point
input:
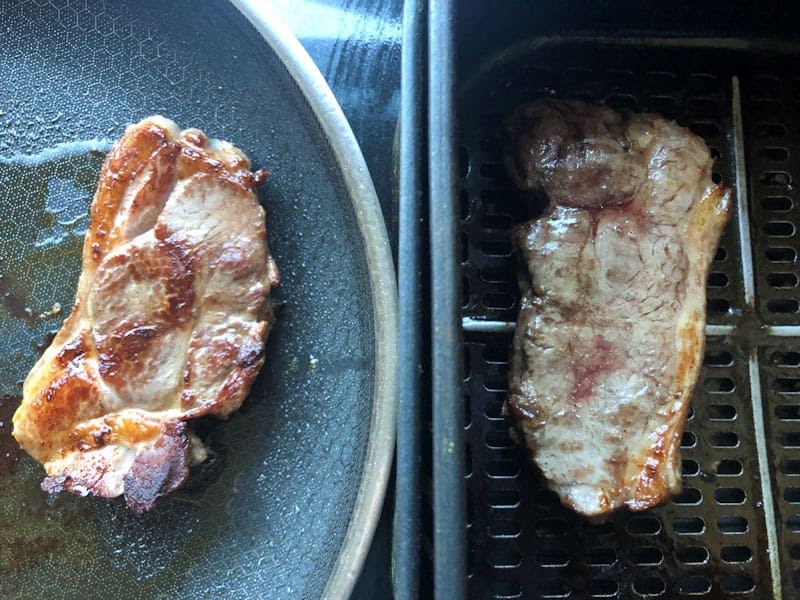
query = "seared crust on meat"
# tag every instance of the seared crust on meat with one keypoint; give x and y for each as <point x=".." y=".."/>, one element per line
<point x="169" y="320"/>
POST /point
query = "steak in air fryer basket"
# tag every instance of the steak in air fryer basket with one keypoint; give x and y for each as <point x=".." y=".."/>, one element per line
<point x="732" y="531"/>
<point x="611" y="330"/>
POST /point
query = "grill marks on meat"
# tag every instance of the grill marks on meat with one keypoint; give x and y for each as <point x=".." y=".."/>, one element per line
<point x="169" y="320"/>
<point x="611" y="329"/>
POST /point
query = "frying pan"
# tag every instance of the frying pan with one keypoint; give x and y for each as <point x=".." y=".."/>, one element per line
<point x="287" y="504"/>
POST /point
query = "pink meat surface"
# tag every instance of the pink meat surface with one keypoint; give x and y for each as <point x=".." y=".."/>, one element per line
<point x="611" y="328"/>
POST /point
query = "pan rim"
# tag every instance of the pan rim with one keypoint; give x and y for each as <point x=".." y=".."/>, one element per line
<point x="371" y="224"/>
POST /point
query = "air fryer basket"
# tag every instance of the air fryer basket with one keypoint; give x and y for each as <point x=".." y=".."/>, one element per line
<point x="734" y="531"/>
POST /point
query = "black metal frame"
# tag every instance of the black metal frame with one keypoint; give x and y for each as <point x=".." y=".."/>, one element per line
<point x="429" y="538"/>
<point x="449" y="499"/>
<point x="412" y="292"/>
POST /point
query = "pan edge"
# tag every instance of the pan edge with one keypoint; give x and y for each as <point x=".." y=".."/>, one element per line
<point x="380" y="446"/>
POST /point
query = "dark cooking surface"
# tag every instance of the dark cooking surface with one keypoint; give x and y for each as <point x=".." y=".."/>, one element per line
<point x="357" y="49"/>
<point x="81" y="73"/>
<point x="712" y="539"/>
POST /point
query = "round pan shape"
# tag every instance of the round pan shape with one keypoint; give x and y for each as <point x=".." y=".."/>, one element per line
<point x="288" y="502"/>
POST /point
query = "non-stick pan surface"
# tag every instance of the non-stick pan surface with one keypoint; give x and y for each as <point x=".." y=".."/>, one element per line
<point x="287" y="503"/>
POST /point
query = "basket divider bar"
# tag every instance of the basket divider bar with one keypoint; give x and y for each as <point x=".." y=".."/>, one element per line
<point x="748" y="275"/>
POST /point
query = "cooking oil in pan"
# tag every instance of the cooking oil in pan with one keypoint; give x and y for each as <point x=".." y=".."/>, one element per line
<point x="23" y="506"/>
<point x="44" y="213"/>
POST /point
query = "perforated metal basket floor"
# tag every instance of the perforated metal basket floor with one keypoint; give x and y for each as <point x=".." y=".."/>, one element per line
<point x="734" y="531"/>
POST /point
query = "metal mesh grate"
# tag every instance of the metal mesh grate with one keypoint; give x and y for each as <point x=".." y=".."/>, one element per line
<point x="780" y="381"/>
<point x="712" y="540"/>
<point x="772" y="127"/>
<point x="710" y="537"/>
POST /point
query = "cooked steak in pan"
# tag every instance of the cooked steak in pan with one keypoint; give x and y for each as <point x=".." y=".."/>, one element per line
<point x="169" y="321"/>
